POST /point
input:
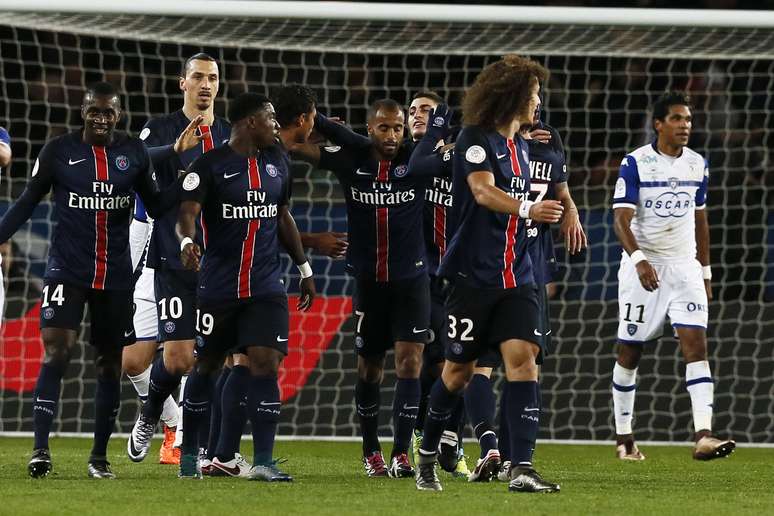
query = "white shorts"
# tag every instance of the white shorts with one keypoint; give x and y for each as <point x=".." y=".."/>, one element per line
<point x="146" y="322"/>
<point x="680" y="296"/>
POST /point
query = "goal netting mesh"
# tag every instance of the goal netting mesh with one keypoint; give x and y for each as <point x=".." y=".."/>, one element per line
<point x="603" y="80"/>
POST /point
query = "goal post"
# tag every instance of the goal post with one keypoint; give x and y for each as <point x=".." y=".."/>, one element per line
<point x="608" y="66"/>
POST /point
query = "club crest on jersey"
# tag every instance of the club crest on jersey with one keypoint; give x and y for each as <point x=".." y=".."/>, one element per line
<point x="48" y="313"/>
<point x="122" y="162"/>
<point x="631" y="329"/>
<point x="401" y="170"/>
<point x="272" y="170"/>
<point x="673" y="183"/>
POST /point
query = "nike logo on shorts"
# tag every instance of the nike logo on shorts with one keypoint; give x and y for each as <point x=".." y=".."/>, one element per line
<point x="280" y="339"/>
<point x="418" y="331"/>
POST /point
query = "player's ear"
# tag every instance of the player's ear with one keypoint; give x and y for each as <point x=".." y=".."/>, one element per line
<point x="181" y="83"/>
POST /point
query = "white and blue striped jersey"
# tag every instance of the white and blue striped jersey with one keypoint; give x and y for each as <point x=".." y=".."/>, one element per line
<point x="664" y="192"/>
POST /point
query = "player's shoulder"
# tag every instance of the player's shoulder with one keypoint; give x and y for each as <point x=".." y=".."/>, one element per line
<point x="691" y="154"/>
<point x="63" y="142"/>
<point x="556" y="141"/>
<point x="161" y="125"/>
<point x="641" y="156"/>
<point x="4" y="136"/>
<point x="472" y="133"/>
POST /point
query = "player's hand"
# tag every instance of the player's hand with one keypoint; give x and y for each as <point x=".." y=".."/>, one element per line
<point x="189" y="257"/>
<point x="308" y="293"/>
<point x="331" y="244"/>
<point x="546" y="211"/>
<point x="708" y="288"/>
<point x="540" y="135"/>
<point x="575" y="238"/>
<point x="188" y="139"/>
<point x="440" y="118"/>
<point x="648" y="276"/>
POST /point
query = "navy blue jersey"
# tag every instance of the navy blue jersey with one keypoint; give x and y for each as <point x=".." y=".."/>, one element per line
<point x="488" y="249"/>
<point x="162" y="132"/>
<point x="547" y="168"/>
<point x="384" y="211"/>
<point x="437" y="207"/>
<point x="93" y="190"/>
<point x="240" y="200"/>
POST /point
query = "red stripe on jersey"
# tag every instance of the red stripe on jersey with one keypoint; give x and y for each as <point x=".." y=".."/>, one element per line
<point x="100" y="223"/>
<point x="509" y="253"/>
<point x="248" y="244"/>
<point x="439" y="227"/>
<point x="383" y="229"/>
<point x="207" y="142"/>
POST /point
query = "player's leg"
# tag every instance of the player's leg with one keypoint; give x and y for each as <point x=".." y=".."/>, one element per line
<point x="481" y="402"/>
<point x="216" y="335"/>
<point x="372" y="339"/>
<point x="641" y="316"/>
<point x="688" y="313"/>
<point x="60" y="317"/>
<point x="228" y="417"/>
<point x="176" y="299"/>
<point x="405" y="405"/>
<point x="523" y="413"/>
<point x="467" y="331"/>
<point x="263" y="330"/>
<point x="111" y="326"/>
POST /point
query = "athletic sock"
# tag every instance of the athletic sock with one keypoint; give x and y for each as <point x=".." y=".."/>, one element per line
<point x="367" y="404"/>
<point x="170" y="414"/>
<point x="263" y="402"/>
<point x="426" y="381"/>
<point x="233" y="414"/>
<point x="140" y="383"/>
<point x="106" y="402"/>
<point x="46" y="402"/>
<point x="405" y="407"/>
<point x="442" y="403"/>
<point x="505" y="434"/>
<point x="480" y="400"/>
<point x="196" y="401"/>
<point x="698" y="380"/>
<point x="216" y="414"/>
<point x="523" y="414"/>
<point x="179" y="432"/>
<point x="162" y="384"/>
<point x="624" y="389"/>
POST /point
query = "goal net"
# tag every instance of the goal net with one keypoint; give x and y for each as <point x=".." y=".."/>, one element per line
<point x="606" y="72"/>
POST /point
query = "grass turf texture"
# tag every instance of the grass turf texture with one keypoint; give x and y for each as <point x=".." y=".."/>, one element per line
<point x="330" y="480"/>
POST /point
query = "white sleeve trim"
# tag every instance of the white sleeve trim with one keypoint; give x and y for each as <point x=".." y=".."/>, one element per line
<point x="624" y="205"/>
<point x="701" y="207"/>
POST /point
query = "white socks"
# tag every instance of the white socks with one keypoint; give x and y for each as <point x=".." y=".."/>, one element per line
<point x="623" y="398"/>
<point x="141" y="383"/>
<point x="698" y="381"/>
<point x="179" y="409"/>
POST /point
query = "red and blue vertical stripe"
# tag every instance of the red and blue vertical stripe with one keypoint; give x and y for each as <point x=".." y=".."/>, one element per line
<point x="100" y="223"/>
<point x="509" y="253"/>
<point x="383" y="229"/>
<point x="248" y="244"/>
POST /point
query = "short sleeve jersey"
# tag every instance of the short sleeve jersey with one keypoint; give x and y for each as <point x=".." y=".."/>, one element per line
<point x="240" y="199"/>
<point x="488" y="249"/>
<point x="664" y="192"/>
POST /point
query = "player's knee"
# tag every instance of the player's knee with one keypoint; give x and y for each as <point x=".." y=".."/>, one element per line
<point x="178" y="358"/>
<point x="408" y="366"/>
<point x="132" y="365"/>
<point x="370" y="369"/>
<point x="58" y="351"/>
<point x="265" y="362"/>
<point x="456" y="376"/>
<point x="629" y="356"/>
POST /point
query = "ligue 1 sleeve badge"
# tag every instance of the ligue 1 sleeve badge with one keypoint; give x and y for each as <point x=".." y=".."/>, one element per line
<point x="122" y="163"/>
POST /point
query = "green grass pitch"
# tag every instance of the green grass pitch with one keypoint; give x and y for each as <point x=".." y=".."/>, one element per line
<point x="330" y="480"/>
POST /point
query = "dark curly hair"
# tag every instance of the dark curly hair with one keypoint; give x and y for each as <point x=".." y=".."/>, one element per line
<point x="501" y="91"/>
<point x="667" y="100"/>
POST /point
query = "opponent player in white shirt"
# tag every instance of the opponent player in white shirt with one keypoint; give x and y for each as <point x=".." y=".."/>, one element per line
<point x="661" y="222"/>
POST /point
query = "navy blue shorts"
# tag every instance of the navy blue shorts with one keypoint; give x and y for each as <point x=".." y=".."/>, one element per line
<point x="110" y="312"/>
<point x="175" y="304"/>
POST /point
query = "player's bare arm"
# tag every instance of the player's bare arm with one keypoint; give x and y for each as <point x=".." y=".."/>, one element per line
<point x="575" y="238"/>
<point x="622" y="225"/>
<point x="482" y="185"/>
<point x="703" y="248"/>
<point x="186" y="231"/>
<point x="329" y="243"/>
<point x="288" y="235"/>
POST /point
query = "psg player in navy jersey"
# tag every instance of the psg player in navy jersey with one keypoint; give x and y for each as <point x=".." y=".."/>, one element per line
<point x="241" y="190"/>
<point x="433" y="151"/>
<point x="548" y="180"/>
<point x="94" y="173"/>
<point x="387" y="257"/>
<point x="488" y="265"/>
